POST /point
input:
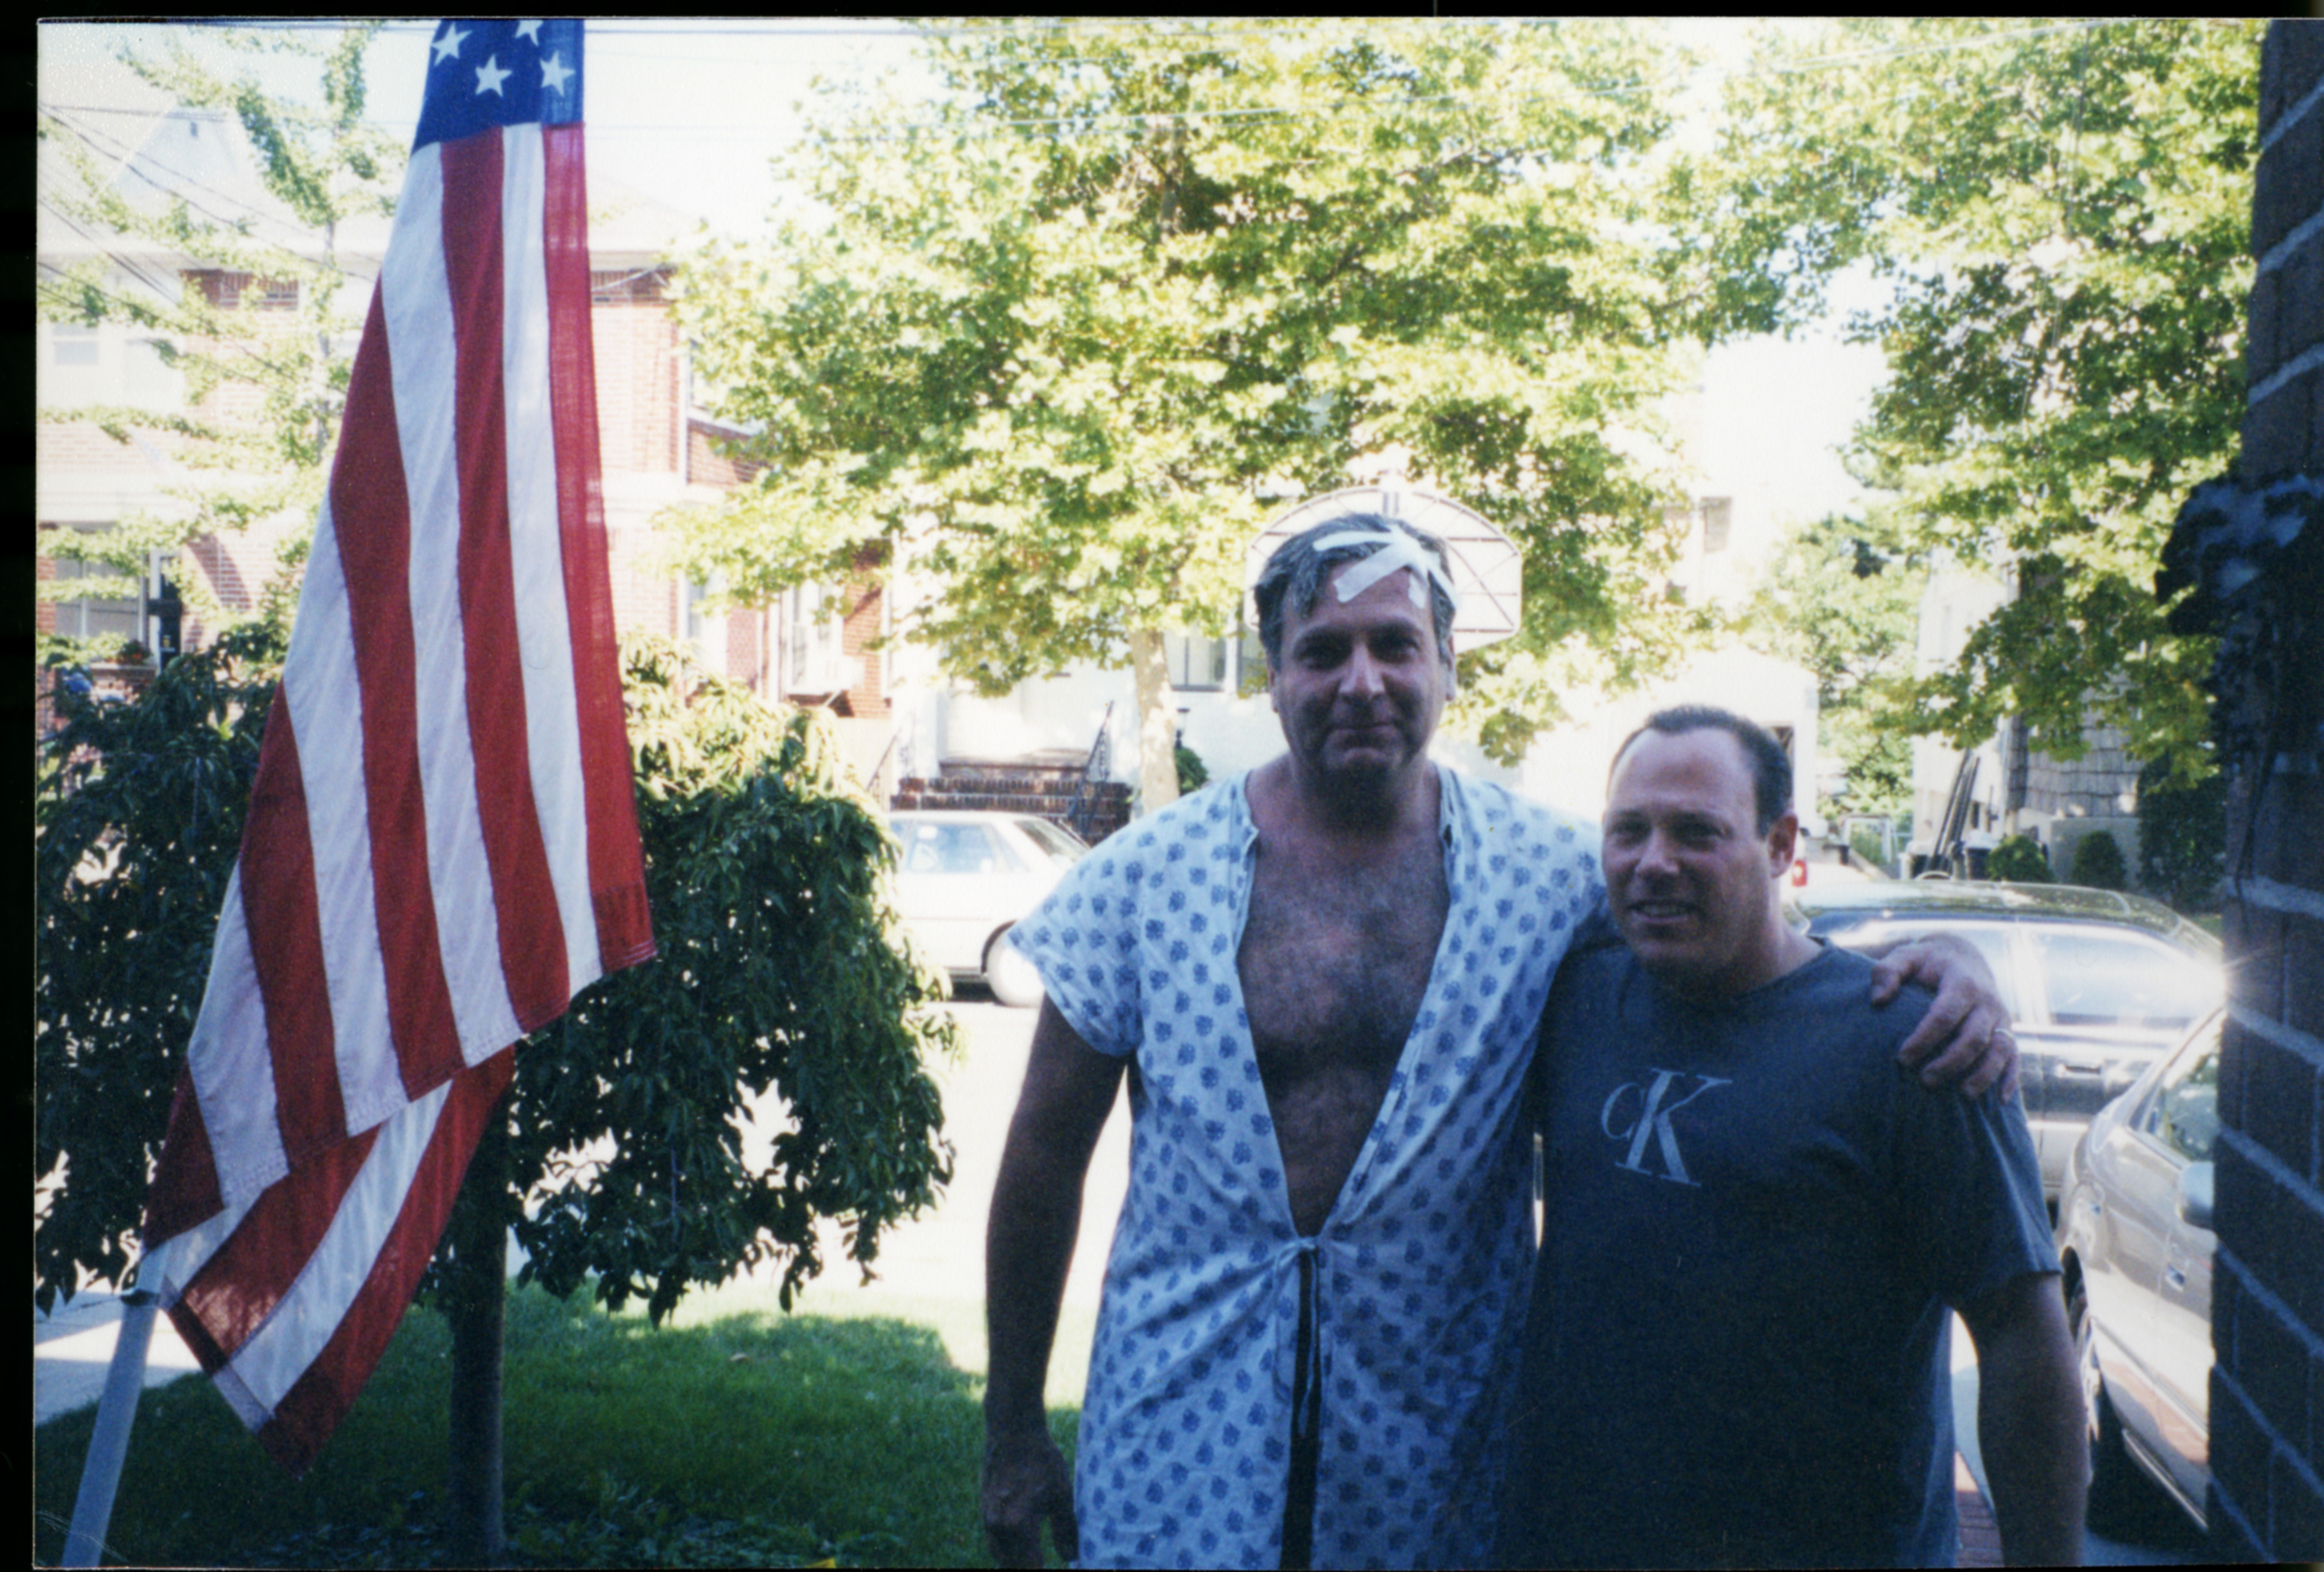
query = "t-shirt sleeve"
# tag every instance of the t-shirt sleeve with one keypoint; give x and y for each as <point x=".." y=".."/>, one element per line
<point x="1082" y="940"/>
<point x="1970" y="1189"/>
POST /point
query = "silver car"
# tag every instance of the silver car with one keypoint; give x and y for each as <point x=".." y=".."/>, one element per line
<point x="963" y="878"/>
<point x="2101" y="985"/>
<point x="2135" y="1243"/>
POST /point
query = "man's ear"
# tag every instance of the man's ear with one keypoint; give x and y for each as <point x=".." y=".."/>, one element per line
<point x="1782" y="844"/>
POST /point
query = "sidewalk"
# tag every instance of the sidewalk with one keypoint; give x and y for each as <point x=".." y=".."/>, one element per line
<point x="73" y="1347"/>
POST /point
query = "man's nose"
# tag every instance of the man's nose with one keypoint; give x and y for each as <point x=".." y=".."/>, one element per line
<point x="1363" y="679"/>
<point x="1657" y="858"/>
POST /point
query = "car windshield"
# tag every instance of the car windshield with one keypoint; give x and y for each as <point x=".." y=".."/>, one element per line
<point x="2097" y="978"/>
<point x="1991" y="939"/>
<point x="1059" y="846"/>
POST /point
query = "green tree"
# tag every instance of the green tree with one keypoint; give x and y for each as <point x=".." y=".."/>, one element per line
<point x="263" y="387"/>
<point x="2064" y="214"/>
<point x="1062" y="340"/>
<point x="782" y="971"/>
<point x="2182" y="836"/>
<point x="783" y="983"/>
<point x="1841" y="596"/>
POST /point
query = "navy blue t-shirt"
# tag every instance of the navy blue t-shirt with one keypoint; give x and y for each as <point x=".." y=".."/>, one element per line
<point x="1737" y="1351"/>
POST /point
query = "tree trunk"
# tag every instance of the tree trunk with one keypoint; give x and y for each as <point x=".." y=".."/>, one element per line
<point x="474" y="1304"/>
<point x="1157" y="721"/>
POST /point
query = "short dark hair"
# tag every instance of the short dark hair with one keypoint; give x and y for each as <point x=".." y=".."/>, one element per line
<point x="1297" y="571"/>
<point x="1771" y="766"/>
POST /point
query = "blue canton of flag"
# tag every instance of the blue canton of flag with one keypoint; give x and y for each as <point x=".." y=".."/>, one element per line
<point x="485" y="73"/>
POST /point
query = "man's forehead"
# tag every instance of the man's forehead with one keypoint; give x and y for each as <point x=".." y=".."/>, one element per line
<point x="1382" y="597"/>
<point x="1702" y="770"/>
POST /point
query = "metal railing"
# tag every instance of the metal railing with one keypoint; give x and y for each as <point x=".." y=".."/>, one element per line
<point x="1099" y="766"/>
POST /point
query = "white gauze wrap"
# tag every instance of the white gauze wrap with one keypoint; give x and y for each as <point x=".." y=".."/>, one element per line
<point x="1398" y="552"/>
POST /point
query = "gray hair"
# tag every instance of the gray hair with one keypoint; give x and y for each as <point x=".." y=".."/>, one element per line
<point x="1296" y="574"/>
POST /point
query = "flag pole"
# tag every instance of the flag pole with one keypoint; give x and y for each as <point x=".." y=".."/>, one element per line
<point x="108" y="1445"/>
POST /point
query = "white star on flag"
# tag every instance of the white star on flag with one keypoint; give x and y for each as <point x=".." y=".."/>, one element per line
<point x="529" y="31"/>
<point x="489" y="76"/>
<point x="449" y="46"/>
<point x="554" y="76"/>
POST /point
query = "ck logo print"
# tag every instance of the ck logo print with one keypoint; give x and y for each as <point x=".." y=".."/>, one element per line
<point x="1648" y="1107"/>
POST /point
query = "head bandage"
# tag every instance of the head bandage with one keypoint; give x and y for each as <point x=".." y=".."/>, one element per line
<point x="1398" y="552"/>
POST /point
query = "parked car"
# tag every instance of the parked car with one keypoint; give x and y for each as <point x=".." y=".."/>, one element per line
<point x="2135" y="1243"/>
<point x="963" y="878"/>
<point x="2102" y="985"/>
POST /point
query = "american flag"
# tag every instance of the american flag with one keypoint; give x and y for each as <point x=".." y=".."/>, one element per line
<point x="442" y="848"/>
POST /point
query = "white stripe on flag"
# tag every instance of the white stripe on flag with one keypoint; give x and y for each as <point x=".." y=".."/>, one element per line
<point x="552" y="718"/>
<point x="233" y="1073"/>
<point x="326" y="717"/>
<point x="418" y="297"/>
<point x="278" y="1353"/>
<point x="190" y="1251"/>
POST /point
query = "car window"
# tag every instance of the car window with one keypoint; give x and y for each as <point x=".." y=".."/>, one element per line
<point x="1991" y="939"/>
<point x="1059" y="848"/>
<point x="2184" y="1115"/>
<point x="2094" y="977"/>
<point x="933" y="846"/>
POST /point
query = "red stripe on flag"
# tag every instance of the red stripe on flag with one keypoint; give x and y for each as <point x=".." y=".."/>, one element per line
<point x="239" y="1286"/>
<point x="617" y="873"/>
<point x="524" y="896"/>
<point x="322" y="1395"/>
<point x="371" y="511"/>
<point x="286" y="944"/>
<point x="185" y="1189"/>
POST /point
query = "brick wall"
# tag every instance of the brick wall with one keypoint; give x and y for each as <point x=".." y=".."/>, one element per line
<point x="637" y="372"/>
<point x="867" y="697"/>
<point x="2267" y="1383"/>
<point x="709" y="464"/>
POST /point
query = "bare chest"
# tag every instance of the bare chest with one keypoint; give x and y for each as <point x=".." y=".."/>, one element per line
<point x="1333" y="970"/>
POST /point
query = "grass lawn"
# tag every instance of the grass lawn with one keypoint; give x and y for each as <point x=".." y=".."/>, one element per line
<point x="733" y="1436"/>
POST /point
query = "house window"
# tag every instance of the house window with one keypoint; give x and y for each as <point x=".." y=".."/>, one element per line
<point x="1197" y="665"/>
<point x="1718" y="512"/>
<point x="695" y="624"/>
<point x="71" y="346"/>
<point x="811" y="640"/>
<point x="230" y="291"/>
<point x="99" y="616"/>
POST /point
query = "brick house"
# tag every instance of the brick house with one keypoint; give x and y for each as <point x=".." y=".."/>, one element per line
<point x="656" y="449"/>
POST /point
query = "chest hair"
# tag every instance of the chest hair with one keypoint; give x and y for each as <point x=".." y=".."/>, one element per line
<point x="1335" y="960"/>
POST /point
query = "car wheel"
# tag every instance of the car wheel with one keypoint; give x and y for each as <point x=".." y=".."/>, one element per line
<point x="1011" y="977"/>
<point x="2119" y="1493"/>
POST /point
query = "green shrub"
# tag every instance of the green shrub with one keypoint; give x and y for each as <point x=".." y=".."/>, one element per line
<point x="2020" y="860"/>
<point x="1192" y="774"/>
<point x="2183" y="838"/>
<point x="2098" y="862"/>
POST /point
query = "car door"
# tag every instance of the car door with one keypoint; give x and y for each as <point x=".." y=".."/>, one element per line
<point x="2183" y="1122"/>
<point x="2132" y="1195"/>
<point x="945" y="888"/>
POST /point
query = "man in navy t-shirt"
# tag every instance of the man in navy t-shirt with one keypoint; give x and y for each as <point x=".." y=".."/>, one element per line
<point x="1758" y="1226"/>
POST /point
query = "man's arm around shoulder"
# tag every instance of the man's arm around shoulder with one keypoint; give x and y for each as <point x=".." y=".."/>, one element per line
<point x="1028" y="1247"/>
<point x="2030" y="1427"/>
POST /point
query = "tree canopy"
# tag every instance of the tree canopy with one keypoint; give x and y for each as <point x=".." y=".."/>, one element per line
<point x="264" y="388"/>
<point x="2064" y="213"/>
<point x="782" y="980"/>
<point x="1842" y="597"/>
<point x="1059" y="341"/>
